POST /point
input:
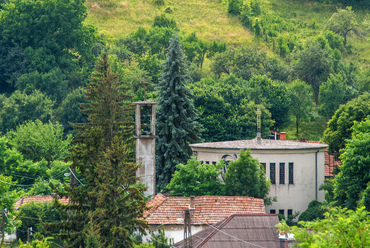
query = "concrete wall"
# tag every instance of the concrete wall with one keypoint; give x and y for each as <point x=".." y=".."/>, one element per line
<point x="289" y="196"/>
<point x="145" y="154"/>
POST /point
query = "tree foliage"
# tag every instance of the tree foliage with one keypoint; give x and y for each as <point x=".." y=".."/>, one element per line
<point x="334" y="93"/>
<point x="109" y="199"/>
<point x="302" y="105"/>
<point x="176" y="116"/>
<point x="246" y="177"/>
<point x="33" y="215"/>
<point x="353" y="177"/>
<point x="20" y="107"/>
<point x="313" y="66"/>
<point x="227" y="113"/>
<point x="342" y="22"/>
<point x="37" y="141"/>
<point x="339" y="128"/>
<point x="340" y="228"/>
<point x="51" y="32"/>
<point x="197" y="179"/>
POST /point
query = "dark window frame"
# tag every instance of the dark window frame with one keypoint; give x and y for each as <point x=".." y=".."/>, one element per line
<point x="291" y="173"/>
<point x="272" y="211"/>
<point x="290" y="212"/>
<point x="273" y="173"/>
<point x="281" y="173"/>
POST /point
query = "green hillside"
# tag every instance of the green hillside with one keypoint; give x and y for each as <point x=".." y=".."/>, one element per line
<point x="208" y="18"/>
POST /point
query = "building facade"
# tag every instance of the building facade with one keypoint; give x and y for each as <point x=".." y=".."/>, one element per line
<point x="296" y="169"/>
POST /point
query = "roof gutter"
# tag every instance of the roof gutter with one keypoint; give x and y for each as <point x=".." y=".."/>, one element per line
<point x="316" y="186"/>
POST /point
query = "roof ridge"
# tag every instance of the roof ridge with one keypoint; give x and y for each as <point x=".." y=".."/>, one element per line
<point x="227" y="220"/>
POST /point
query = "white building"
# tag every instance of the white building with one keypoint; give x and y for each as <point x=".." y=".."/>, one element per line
<point x="296" y="169"/>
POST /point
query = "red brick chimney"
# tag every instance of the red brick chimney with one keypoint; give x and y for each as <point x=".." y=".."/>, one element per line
<point x="282" y="135"/>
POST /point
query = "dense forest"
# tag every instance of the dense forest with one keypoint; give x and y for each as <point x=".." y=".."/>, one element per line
<point x="306" y="63"/>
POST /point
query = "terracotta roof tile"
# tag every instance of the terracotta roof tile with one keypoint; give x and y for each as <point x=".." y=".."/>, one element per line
<point x="330" y="164"/>
<point x="36" y="199"/>
<point x="209" y="209"/>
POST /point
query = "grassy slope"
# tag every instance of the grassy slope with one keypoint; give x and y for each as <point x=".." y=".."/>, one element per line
<point x="208" y="18"/>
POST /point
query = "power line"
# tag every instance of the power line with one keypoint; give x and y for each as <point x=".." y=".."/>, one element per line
<point x="246" y="242"/>
<point x="76" y="177"/>
<point x="30" y="185"/>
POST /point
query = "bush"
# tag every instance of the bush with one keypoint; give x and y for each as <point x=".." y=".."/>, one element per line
<point x="235" y="6"/>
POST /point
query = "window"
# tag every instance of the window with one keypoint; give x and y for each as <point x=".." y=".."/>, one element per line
<point x="264" y="167"/>
<point x="281" y="211"/>
<point x="290" y="212"/>
<point x="214" y="162"/>
<point x="207" y="162"/>
<point x="272" y="173"/>
<point x="282" y="173"/>
<point x="291" y="181"/>
<point x="272" y="211"/>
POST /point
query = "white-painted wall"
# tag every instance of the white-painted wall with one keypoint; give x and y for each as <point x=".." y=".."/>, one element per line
<point x="176" y="232"/>
<point x="295" y="196"/>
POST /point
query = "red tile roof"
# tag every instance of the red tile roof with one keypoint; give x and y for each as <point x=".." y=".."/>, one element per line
<point x="36" y="199"/>
<point x="330" y="164"/>
<point x="208" y="209"/>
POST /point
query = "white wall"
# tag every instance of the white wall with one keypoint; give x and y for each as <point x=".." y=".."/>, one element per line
<point x="289" y="196"/>
<point x="176" y="232"/>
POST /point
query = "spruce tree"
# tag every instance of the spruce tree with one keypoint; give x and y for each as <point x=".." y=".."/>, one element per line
<point x="104" y="154"/>
<point x="176" y="115"/>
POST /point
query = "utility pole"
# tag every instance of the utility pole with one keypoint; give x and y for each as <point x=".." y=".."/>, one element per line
<point x="187" y="224"/>
<point x="29" y="233"/>
<point x="3" y="227"/>
<point x="187" y="230"/>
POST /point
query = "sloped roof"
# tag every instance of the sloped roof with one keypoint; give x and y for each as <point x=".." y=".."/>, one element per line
<point x="36" y="199"/>
<point x="208" y="209"/>
<point x="265" y="144"/>
<point x="242" y="231"/>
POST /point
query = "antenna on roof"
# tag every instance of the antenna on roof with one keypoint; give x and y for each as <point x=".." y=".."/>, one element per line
<point x="258" y="123"/>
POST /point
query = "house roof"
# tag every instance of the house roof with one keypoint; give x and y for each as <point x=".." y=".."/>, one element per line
<point x="208" y="209"/>
<point x="265" y="144"/>
<point x="330" y="164"/>
<point x="239" y="231"/>
<point x="36" y="199"/>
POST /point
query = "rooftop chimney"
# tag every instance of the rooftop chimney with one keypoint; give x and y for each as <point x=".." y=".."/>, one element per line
<point x="282" y="135"/>
<point x="192" y="203"/>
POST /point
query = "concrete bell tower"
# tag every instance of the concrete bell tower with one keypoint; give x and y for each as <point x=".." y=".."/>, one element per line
<point x="145" y="143"/>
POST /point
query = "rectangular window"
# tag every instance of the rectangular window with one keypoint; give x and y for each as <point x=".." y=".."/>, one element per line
<point x="282" y="173"/>
<point x="272" y="173"/>
<point x="281" y="211"/>
<point x="214" y="162"/>
<point x="207" y="162"/>
<point x="264" y="167"/>
<point x="291" y="181"/>
<point x="290" y="212"/>
<point x="272" y="211"/>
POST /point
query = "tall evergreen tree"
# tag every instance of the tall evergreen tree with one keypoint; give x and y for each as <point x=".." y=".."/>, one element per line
<point x="109" y="200"/>
<point x="176" y="116"/>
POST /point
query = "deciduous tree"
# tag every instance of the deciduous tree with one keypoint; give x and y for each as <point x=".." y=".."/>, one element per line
<point x="246" y="177"/>
<point x="197" y="179"/>
<point x="353" y="176"/>
<point x="339" y="128"/>
<point x="342" y="22"/>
